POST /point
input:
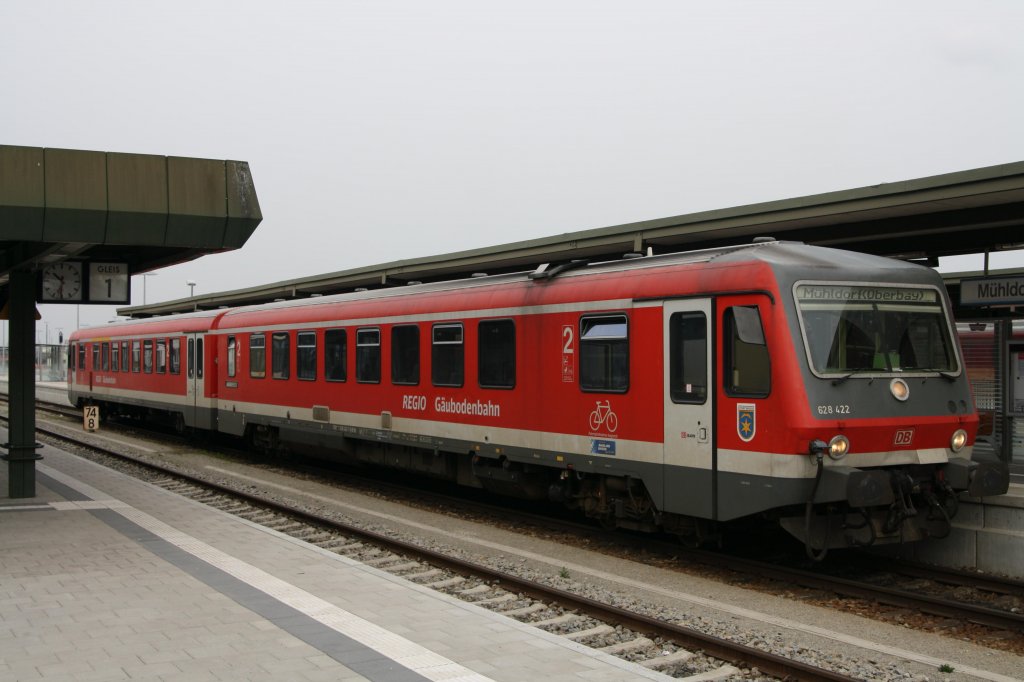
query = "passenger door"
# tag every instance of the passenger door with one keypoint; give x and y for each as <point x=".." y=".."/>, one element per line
<point x="197" y="406"/>
<point x="690" y="467"/>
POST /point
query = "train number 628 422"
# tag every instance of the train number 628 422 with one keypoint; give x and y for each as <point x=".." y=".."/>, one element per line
<point x="833" y="409"/>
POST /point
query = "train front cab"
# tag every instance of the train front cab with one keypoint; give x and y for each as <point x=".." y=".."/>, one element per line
<point x="889" y="420"/>
<point x="848" y="422"/>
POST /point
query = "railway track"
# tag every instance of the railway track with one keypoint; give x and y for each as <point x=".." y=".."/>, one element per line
<point x="670" y="648"/>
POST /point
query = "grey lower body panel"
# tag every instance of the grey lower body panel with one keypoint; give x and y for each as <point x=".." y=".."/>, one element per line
<point x="676" y="490"/>
<point x="195" y="417"/>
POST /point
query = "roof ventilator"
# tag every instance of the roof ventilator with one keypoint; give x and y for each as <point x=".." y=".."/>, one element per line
<point x="545" y="271"/>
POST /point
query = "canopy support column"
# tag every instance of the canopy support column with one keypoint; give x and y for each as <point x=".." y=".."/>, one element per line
<point x="21" y="446"/>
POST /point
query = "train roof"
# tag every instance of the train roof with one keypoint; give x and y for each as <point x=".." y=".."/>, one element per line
<point x="789" y="260"/>
<point x="562" y="270"/>
<point x="198" y="321"/>
<point x="794" y="258"/>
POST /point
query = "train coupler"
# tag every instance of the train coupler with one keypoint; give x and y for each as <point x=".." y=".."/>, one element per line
<point x="903" y="507"/>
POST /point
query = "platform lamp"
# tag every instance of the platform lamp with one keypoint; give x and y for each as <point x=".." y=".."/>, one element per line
<point x="191" y="284"/>
<point x="144" y="275"/>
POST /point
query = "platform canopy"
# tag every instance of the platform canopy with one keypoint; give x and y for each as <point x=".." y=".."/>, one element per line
<point x="67" y="216"/>
<point x="972" y="211"/>
<point x="144" y="210"/>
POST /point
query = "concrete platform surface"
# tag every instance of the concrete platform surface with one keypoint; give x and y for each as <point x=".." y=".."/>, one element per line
<point x="104" y="577"/>
<point x="55" y="392"/>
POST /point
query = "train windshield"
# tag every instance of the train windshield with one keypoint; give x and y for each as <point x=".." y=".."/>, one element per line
<point x="869" y="329"/>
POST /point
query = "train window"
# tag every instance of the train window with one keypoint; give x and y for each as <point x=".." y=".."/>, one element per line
<point x="81" y="356"/>
<point x="175" y="358"/>
<point x="447" y="356"/>
<point x="305" y="360"/>
<point x="258" y="356"/>
<point x="95" y="356"/>
<point x="604" y="353"/>
<point x="232" y="355"/>
<point x="747" y="365"/>
<point x="335" y="353"/>
<point x="115" y="356"/>
<point x="125" y="357"/>
<point x="72" y="355"/>
<point x="199" y="358"/>
<point x="279" y="355"/>
<point x="405" y="355"/>
<point x="147" y="356"/>
<point x="688" y="357"/>
<point x="873" y="329"/>
<point x="191" y="357"/>
<point x="161" y="356"/>
<point x="368" y="356"/>
<point x="136" y="355"/>
<point x="105" y="355"/>
<point x="496" y="354"/>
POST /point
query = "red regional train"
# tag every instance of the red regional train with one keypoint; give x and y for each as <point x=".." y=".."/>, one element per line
<point x="820" y="388"/>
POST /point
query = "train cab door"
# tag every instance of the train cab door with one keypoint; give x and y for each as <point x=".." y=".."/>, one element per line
<point x="690" y="466"/>
<point x="197" y="412"/>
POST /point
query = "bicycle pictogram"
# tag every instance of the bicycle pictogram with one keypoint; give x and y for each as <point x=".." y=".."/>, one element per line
<point x="603" y="416"/>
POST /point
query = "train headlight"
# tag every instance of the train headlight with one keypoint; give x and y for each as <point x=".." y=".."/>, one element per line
<point x="899" y="388"/>
<point x="838" y="447"/>
<point x="958" y="441"/>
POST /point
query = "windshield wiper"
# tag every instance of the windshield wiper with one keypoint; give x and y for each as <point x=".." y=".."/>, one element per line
<point x="859" y="370"/>
<point x="944" y="373"/>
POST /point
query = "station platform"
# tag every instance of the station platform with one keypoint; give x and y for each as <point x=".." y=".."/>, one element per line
<point x="55" y="392"/>
<point x="105" y="577"/>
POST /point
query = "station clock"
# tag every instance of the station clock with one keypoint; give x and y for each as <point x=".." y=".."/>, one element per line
<point x="62" y="282"/>
<point x="72" y="281"/>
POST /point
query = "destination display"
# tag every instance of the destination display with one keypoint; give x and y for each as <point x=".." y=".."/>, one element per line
<point x="831" y="293"/>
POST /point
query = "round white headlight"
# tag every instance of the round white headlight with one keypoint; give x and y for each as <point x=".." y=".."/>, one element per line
<point x="958" y="441"/>
<point x="899" y="389"/>
<point x="838" y="447"/>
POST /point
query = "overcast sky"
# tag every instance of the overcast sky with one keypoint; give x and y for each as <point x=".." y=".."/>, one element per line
<point x="379" y="130"/>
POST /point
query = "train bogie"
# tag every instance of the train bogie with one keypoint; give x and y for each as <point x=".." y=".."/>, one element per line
<point x="677" y="392"/>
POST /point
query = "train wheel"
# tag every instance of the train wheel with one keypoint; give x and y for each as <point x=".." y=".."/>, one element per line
<point x="696" y="533"/>
<point x="263" y="438"/>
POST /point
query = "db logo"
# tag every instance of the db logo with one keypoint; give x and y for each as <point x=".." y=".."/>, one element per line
<point x="903" y="437"/>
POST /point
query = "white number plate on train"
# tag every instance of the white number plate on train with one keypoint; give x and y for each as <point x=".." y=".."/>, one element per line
<point x="833" y="409"/>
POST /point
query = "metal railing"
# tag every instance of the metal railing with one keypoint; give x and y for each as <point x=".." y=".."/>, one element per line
<point x="51" y="362"/>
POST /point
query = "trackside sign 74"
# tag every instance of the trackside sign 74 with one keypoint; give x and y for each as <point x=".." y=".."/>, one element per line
<point x="91" y="417"/>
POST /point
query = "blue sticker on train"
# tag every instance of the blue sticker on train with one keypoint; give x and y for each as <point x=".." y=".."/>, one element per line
<point x="602" y="447"/>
